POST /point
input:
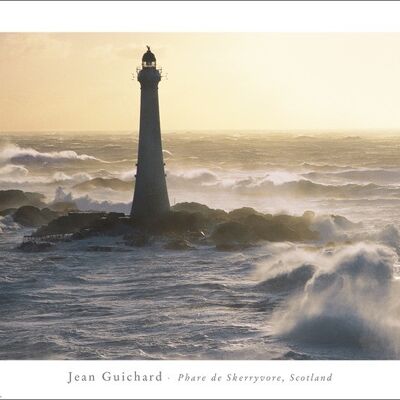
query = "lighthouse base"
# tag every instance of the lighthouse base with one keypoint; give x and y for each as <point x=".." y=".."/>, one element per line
<point x="150" y="206"/>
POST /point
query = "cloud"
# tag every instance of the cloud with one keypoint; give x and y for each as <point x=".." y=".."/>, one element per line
<point x="39" y="45"/>
<point x="110" y="51"/>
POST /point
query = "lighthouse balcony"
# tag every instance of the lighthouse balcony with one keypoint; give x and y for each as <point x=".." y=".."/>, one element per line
<point x="151" y="64"/>
<point x="143" y="67"/>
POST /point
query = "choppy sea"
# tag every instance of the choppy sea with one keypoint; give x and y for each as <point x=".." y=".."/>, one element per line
<point x="336" y="298"/>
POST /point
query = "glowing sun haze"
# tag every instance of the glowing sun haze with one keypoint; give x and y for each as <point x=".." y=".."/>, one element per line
<point x="266" y="81"/>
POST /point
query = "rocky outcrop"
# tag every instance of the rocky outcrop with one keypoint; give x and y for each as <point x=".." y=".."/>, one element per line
<point x="187" y="224"/>
<point x="70" y="223"/>
<point x="7" y="211"/>
<point x="30" y="216"/>
<point x="211" y="215"/>
<point x="249" y="228"/>
<point x="241" y="213"/>
<point x="232" y="233"/>
<point x="178" y="222"/>
<point x="35" y="247"/>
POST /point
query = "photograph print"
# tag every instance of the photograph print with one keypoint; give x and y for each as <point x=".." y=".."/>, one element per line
<point x="199" y="196"/>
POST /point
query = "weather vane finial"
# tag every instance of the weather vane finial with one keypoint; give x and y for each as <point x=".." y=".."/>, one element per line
<point x="148" y="48"/>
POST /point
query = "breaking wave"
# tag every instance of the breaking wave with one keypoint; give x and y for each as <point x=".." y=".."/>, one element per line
<point x="334" y="227"/>
<point x="7" y="224"/>
<point x="12" y="153"/>
<point x="377" y="176"/>
<point x="273" y="184"/>
<point x="348" y="297"/>
<point x="10" y="171"/>
<point x="86" y="203"/>
<point x="19" y="174"/>
<point x="201" y="176"/>
<point x="61" y="177"/>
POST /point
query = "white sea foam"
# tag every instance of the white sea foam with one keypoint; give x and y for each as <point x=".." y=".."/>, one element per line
<point x="10" y="171"/>
<point x="7" y="224"/>
<point x="337" y="292"/>
<point x="86" y="203"/>
<point x="12" y="153"/>
<point x="379" y="176"/>
<point x="352" y="298"/>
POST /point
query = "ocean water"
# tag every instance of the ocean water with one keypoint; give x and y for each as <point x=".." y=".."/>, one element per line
<point x="335" y="298"/>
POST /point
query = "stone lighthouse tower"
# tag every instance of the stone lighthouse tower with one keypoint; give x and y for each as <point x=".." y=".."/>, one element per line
<point x="151" y="197"/>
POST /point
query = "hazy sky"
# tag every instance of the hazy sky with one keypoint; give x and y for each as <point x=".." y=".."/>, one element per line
<point x="281" y="81"/>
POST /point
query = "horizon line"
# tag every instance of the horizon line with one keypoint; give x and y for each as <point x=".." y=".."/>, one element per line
<point x="204" y="130"/>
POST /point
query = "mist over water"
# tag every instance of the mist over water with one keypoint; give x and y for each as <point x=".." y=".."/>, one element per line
<point x="334" y="298"/>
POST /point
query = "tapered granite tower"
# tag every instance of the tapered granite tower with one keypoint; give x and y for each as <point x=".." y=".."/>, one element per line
<point x="151" y="197"/>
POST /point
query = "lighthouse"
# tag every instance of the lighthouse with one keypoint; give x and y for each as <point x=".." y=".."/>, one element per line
<point x="150" y="198"/>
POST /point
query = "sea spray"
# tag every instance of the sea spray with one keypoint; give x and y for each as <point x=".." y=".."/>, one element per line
<point x="86" y="203"/>
<point x="67" y="303"/>
<point x="352" y="299"/>
<point x="20" y="155"/>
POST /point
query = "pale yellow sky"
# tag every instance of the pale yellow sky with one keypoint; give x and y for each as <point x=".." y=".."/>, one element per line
<point x="267" y="81"/>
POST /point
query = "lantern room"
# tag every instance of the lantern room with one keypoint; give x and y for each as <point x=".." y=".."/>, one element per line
<point x="148" y="59"/>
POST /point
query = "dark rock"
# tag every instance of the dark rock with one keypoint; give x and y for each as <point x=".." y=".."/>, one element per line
<point x="31" y="216"/>
<point x="82" y="234"/>
<point x="208" y="213"/>
<point x="178" y="222"/>
<point x="35" y="247"/>
<point x="111" y="224"/>
<point x="231" y="233"/>
<point x="241" y="213"/>
<point x="270" y="229"/>
<point x="7" y="211"/>
<point x="179" y="244"/>
<point x="71" y="223"/>
<point x="280" y="228"/>
<point x="190" y="221"/>
<point x="196" y="236"/>
<point x="255" y="226"/>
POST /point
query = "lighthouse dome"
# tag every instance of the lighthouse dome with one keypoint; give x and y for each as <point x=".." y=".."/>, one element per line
<point x="148" y="59"/>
